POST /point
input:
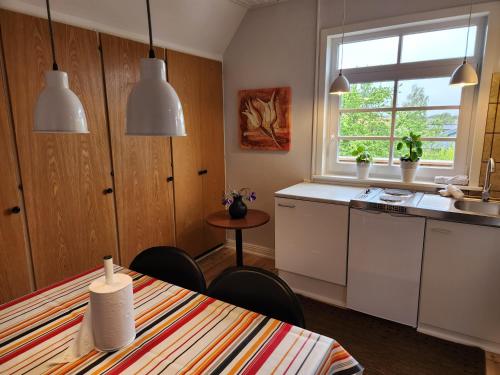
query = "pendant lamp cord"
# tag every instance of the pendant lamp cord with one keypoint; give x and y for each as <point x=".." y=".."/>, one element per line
<point x="468" y="29"/>
<point x="342" y="43"/>
<point x="52" y="44"/>
<point x="151" y="49"/>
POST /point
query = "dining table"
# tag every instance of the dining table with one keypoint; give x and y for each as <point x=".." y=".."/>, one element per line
<point x="178" y="331"/>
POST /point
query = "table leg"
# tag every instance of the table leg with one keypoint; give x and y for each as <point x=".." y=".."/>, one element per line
<point x="239" y="248"/>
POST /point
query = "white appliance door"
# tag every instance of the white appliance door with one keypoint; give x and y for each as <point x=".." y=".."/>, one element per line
<point x="384" y="263"/>
<point x="311" y="239"/>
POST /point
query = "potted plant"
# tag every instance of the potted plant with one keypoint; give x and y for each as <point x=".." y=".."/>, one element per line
<point x="363" y="162"/>
<point x="409" y="161"/>
<point x="233" y="201"/>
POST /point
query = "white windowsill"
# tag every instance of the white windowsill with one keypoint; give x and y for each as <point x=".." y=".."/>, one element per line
<point x="384" y="182"/>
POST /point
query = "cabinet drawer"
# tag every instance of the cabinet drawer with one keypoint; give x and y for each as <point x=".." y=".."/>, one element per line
<point x="311" y="239"/>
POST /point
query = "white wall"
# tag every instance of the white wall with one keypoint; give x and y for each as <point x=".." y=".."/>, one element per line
<point x="276" y="46"/>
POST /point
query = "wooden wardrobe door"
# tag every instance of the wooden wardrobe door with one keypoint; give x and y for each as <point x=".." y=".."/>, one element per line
<point x="212" y="150"/>
<point x="71" y="221"/>
<point x="14" y="251"/>
<point x="144" y="197"/>
<point x="184" y="76"/>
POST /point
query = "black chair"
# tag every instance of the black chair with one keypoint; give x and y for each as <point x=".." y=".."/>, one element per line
<point x="258" y="290"/>
<point x="172" y="265"/>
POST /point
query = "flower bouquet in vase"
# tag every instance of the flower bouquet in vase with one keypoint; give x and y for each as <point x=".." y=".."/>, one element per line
<point x="234" y="202"/>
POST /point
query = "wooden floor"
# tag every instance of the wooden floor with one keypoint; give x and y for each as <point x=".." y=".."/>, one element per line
<point x="214" y="263"/>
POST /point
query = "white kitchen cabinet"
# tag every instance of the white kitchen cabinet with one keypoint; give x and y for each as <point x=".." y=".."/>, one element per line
<point x="460" y="290"/>
<point x="385" y="257"/>
<point x="311" y="239"/>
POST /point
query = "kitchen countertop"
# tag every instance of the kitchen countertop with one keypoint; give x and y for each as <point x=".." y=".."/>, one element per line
<point x="339" y="194"/>
<point x="431" y="206"/>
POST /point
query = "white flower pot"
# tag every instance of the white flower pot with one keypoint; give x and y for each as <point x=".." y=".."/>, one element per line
<point x="363" y="170"/>
<point x="408" y="170"/>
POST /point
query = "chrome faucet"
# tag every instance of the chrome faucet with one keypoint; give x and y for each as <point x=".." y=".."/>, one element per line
<point x="490" y="168"/>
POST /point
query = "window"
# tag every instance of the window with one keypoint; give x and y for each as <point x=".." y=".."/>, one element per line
<point x="399" y="83"/>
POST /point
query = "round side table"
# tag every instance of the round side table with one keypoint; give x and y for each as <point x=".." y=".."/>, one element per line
<point x="253" y="219"/>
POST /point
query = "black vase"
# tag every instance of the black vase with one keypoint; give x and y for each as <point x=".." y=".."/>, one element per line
<point x="238" y="209"/>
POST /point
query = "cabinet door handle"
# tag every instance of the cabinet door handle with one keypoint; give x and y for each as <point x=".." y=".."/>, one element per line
<point x="203" y="171"/>
<point x="441" y="230"/>
<point x="286" y="205"/>
<point x="372" y="212"/>
<point x="170" y="178"/>
<point x="15" y="210"/>
<point x="398" y="215"/>
<point x="108" y="191"/>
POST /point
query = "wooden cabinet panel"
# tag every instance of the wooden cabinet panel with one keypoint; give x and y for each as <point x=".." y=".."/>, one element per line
<point x="71" y="222"/>
<point x="14" y="252"/>
<point x="212" y="130"/>
<point x="185" y="76"/>
<point x="198" y="82"/>
<point x="144" y="197"/>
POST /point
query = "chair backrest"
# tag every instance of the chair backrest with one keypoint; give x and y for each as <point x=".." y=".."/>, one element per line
<point x="172" y="265"/>
<point x="260" y="291"/>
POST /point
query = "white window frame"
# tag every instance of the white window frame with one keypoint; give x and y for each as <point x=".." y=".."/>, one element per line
<point x="472" y="110"/>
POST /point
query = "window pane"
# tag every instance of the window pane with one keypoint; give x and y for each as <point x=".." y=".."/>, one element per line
<point x="434" y="153"/>
<point x="434" y="123"/>
<point x="369" y="53"/>
<point x="365" y="124"/>
<point x="427" y="92"/>
<point x="436" y="45"/>
<point x="368" y="95"/>
<point x="378" y="149"/>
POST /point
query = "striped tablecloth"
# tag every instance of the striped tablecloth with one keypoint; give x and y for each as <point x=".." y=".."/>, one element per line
<point x="178" y="331"/>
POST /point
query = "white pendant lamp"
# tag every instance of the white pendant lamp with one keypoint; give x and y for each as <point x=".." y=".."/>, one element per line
<point x="58" y="109"/>
<point x="341" y="84"/>
<point x="153" y="107"/>
<point x="465" y="74"/>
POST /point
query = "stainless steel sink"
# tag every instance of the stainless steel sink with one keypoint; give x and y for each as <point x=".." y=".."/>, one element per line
<point x="480" y="207"/>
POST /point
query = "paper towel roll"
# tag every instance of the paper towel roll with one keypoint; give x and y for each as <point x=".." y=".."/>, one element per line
<point x="112" y="310"/>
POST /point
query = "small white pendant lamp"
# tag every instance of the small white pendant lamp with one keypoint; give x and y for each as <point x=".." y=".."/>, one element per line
<point x="341" y="84"/>
<point x="153" y="107"/>
<point x="465" y="74"/>
<point x="58" y="109"/>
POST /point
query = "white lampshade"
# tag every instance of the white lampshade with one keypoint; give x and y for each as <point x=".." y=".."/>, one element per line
<point x="340" y="85"/>
<point x="153" y="106"/>
<point x="464" y="75"/>
<point x="58" y="109"/>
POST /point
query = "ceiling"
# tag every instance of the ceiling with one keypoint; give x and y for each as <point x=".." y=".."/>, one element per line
<point x="201" y="27"/>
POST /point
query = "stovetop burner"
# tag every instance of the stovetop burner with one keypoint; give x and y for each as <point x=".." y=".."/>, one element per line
<point x="399" y="192"/>
<point x="391" y="200"/>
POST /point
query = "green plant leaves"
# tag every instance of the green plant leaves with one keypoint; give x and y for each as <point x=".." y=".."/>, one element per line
<point x="362" y="155"/>
<point x="414" y="146"/>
